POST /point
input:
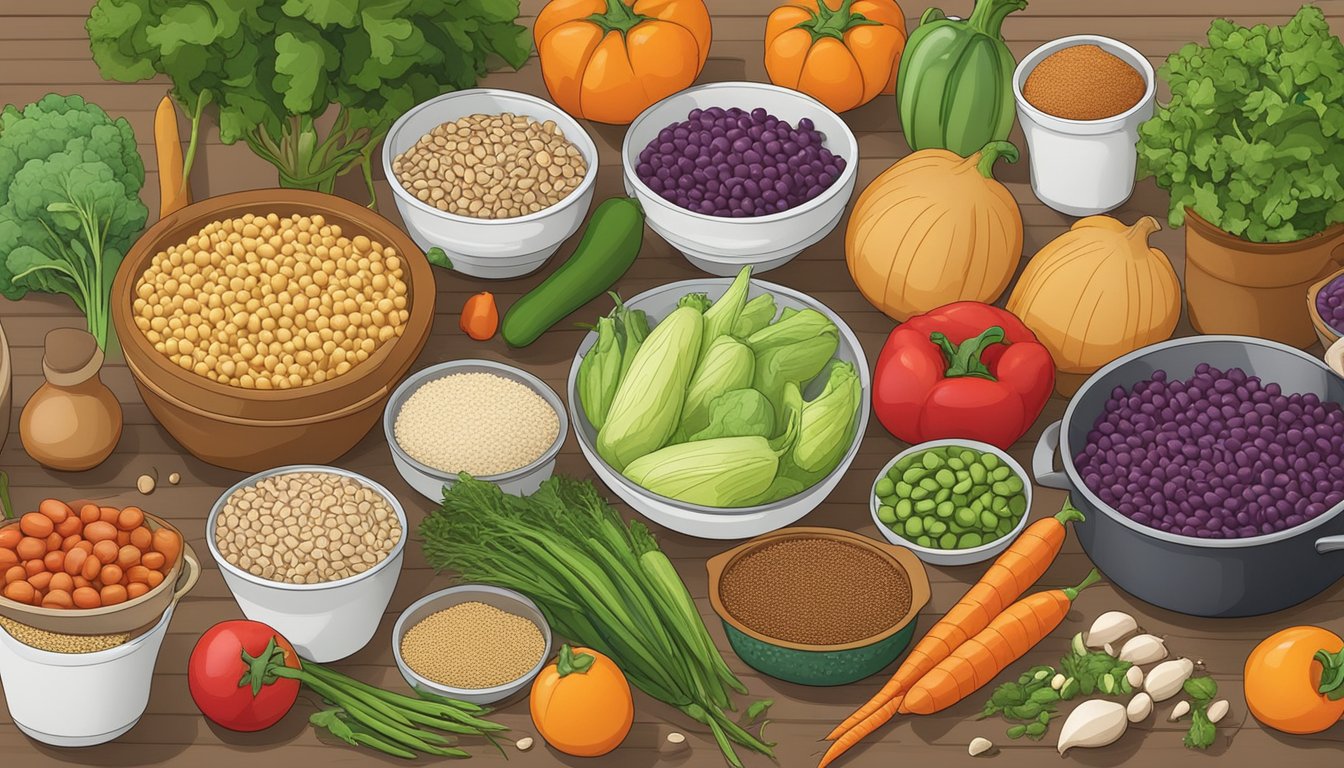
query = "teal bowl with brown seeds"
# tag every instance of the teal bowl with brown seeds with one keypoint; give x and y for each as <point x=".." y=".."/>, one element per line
<point x="820" y="665"/>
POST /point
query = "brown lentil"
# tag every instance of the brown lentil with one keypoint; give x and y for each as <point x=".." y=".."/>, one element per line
<point x="264" y="302"/>
<point x="478" y="422"/>
<point x="61" y="643"/>
<point x="491" y="166"/>
<point x="306" y="528"/>
<point x="1083" y="82"/>
<point x="473" y="645"/>
<point x="815" y="591"/>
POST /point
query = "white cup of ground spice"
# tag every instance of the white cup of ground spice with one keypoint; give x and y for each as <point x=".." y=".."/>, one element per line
<point x="1080" y="101"/>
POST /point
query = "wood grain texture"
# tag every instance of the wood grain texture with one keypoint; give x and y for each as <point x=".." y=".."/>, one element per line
<point x="43" y="48"/>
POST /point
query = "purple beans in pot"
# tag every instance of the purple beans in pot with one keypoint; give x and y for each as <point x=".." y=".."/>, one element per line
<point x="1220" y="455"/>
<point x="1330" y="304"/>
<point x="740" y="164"/>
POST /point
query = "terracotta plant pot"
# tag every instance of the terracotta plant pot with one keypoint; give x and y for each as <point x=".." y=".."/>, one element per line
<point x="1324" y="332"/>
<point x="252" y="429"/>
<point x="6" y="386"/>
<point x="1234" y="286"/>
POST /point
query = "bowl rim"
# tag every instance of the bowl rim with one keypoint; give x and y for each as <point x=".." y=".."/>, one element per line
<point x="571" y="128"/>
<point x="1313" y="292"/>
<point x="399" y="630"/>
<point x="982" y="552"/>
<point x="642" y="190"/>
<point x="1080" y="487"/>
<point x="1115" y="47"/>
<point x="690" y="286"/>
<point x="897" y="556"/>
<point x="233" y="570"/>
<point x="418" y="275"/>
<point x="441" y="370"/>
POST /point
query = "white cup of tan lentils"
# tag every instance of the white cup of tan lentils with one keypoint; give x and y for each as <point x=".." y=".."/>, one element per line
<point x="497" y="179"/>
<point x="313" y="551"/>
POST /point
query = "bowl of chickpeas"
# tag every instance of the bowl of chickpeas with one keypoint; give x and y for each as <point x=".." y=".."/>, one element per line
<point x="270" y="326"/>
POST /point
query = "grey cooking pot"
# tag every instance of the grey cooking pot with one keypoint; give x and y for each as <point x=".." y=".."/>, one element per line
<point x="1200" y="577"/>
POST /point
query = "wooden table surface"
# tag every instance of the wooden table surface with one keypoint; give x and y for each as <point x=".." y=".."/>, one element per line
<point x="43" y="48"/>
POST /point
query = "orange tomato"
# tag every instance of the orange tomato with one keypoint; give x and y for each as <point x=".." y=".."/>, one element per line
<point x="581" y="703"/>
<point x="608" y="60"/>
<point x="1283" y="680"/>
<point x="843" y="57"/>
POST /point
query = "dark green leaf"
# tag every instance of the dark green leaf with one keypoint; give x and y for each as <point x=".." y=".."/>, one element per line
<point x="758" y="708"/>
<point x="438" y="258"/>
<point x="1202" y="731"/>
<point x="1202" y="689"/>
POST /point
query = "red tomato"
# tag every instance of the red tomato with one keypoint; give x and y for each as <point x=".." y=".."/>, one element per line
<point x="217" y="665"/>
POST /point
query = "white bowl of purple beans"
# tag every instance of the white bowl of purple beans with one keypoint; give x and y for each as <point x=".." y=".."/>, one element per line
<point x="1211" y="472"/>
<point x="737" y="174"/>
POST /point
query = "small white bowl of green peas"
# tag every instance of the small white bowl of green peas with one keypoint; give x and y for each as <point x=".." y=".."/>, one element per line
<point x="952" y="502"/>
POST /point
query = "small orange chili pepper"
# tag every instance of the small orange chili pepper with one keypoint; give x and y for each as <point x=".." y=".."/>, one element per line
<point x="480" y="316"/>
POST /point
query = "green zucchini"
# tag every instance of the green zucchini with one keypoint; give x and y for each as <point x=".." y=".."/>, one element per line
<point x="608" y="247"/>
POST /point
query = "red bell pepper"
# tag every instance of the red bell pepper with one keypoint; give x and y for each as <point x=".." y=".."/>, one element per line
<point x="965" y="370"/>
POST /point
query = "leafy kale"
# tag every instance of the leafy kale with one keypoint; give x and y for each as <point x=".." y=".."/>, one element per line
<point x="1251" y="139"/>
<point x="271" y="68"/>
<point x="70" y="180"/>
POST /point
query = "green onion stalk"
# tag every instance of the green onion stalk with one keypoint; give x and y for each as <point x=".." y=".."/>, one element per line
<point x="599" y="582"/>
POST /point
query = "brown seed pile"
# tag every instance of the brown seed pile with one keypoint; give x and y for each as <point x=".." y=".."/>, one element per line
<point x="306" y="527"/>
<point x="264" y="302"/>
<point x="61" y="643"/>
<point x="491" y="166"/>
<point x="473" y="645"/>
<point x="478" y="423"/>
<point x="1083" y="82"/>
<point x="815" y="591"/>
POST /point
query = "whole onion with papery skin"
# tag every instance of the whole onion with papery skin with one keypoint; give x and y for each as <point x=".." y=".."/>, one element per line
<point x="1220" y="455"/>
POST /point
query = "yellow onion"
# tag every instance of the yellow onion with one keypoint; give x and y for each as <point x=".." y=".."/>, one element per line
<point x="1097" y="292"/>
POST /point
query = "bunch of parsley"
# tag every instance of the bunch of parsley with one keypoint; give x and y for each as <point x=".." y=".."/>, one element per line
<point x="1253" y="137"/>
<point x="272" y="68"/>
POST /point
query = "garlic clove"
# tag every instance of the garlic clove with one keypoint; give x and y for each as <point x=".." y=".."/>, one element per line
<point x="979" y="746"/>
<point x="524" y="743"/>
<point x="1134" y="676"/>
<point x="1140" y="707"/>
<point x="1094" y="723"/>
<point x="1143" y="649"/>
<point x="1109" y="627"/>
<point x="1218" y="710"/>
<point x="1181" y="709"/>
<point x="1057" y="682"/>
<point x="1165" y="680"/>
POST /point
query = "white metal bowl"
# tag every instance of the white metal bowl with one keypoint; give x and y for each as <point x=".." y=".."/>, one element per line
<point x="504" y="599"/>
<point x="429" y="481"/>
<point x="715" y="522"/>
<point x="721" y="245"/>
<point x="326" y="621"/>
<point x="489" y="248"/>
<point x="954" y="556"/>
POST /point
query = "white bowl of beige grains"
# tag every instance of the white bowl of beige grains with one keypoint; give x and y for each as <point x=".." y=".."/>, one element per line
<point x="474" y="643"/>
<point x="495" y="178"/>
<point x="492" y="421"/>
<point x="313" y="551"/>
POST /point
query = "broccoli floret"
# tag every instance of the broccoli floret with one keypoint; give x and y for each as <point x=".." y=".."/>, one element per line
<point x="70" y="179"/>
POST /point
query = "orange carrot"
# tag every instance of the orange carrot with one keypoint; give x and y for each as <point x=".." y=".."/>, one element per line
<point x="1007" y="638"/>
<point x="1011" y="574"/>
<point x="480" y="316"/>
<point x="975" y="662"/>
<point x="173" y="191"/>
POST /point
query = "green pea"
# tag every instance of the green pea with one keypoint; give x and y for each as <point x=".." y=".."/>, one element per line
<point x="931" y="460"/>
<point x="960" y="499"/>
<point x="914" y="475"/>
<point x="945" y="509"/>
<point x="943" y="494"/>
<point x="988" y="520"/>
<point x="976" y="505"/>
<point x="989" y="460"/>
<point x="884" y="487"/>
<point x="966" y="517"/>
<point x="1002" y="472"/>
<point x="930" y="484"/>
<point x="1017" y="505"/>
<point x="978" y="473"/>
<point x="963" y="486"/>
<point x="999" y="504"/>
<point x="969" y="540"/>
<point x="903" y="508"/>
<point x="936" y="528"/>
<point x="948" y="540"/>
<point x="925" y="506"/>
<point x="1014" y="485"/>
<point x="886" y="514"/>
<point x="903" y="488"/>
<point x="956" y="527"/>
<point x="945" y="478"/>
<point x="956" y="463"/>
<point x="914" y="527"/>
<point x="1004" y="529"/>
<point x="918" y="493"/>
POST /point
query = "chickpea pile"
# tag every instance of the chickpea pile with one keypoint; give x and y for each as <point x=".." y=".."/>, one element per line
<point x="264" y="302"/>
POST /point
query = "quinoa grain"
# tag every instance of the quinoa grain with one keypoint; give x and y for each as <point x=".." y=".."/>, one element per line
<point x="473" y="645"/>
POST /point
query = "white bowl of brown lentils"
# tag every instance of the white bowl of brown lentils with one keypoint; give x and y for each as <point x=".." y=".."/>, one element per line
<point x="473" y="642"/>
<point x="493" y="421"/>
<point x="497" y="179"/>
<point x="311" y="550"/>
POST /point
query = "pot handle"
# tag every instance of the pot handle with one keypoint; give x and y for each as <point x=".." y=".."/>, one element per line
<point x="191" y="571"/>
<point x="1329" y="544"/>
<point x="1043" y="459"/>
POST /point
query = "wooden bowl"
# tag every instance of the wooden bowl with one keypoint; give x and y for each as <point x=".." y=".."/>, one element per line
<point x="252" y="429"/>
<point x="1324" y="332"/>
